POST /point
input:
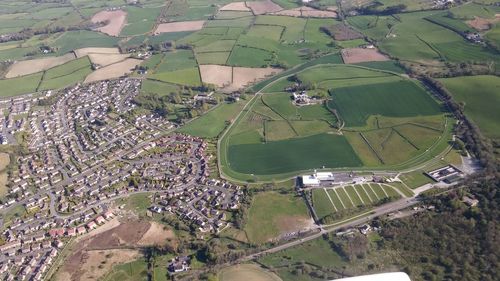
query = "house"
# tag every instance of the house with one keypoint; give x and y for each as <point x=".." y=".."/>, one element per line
<point x="365" y="228"/>
<point x="471" y="202"/>
<point x="81" y="230"/>
<point x="71" y="232"/>
<point x="100" y="220"/>
<point x="108" y="215"/>
<point x="179" y="264"/>
<point x="91" y="225"/>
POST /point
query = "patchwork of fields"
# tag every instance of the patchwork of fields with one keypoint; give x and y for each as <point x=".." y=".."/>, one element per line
<point x="368" y="118"/>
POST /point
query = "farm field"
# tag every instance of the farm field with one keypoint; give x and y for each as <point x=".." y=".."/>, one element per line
<point x="274" y="157"/>
<point x="249" y="272"/>
<point x="481" y="106"/>
<point x="214" y="122"/>
<point x="272" y="214"/>
<point x="415" y="38"/>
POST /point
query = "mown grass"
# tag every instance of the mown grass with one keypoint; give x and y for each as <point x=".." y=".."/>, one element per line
<point x="321" y="203"/>
<point x="270" y="214"/>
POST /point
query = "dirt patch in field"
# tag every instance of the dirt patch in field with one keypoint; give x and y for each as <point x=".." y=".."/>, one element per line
<point x="263" y="7"/>
<point x="243" y="76"/>
<point x="482" y="24"/>
<point x="126" y="234"/>
<point x="235" y="6"/>
<point x="26" y="67"/>
<point x="94" y="254"/>
<point x="307" y="12"/>
<point x="288" y="224"/>
<point x="247" y="272"/>
<point x="180" y="26"/>
<point x="342" y="32"/>
<point x="3" y="184"/>
<point x="115" y="21"/>
<point x="157" y="234"/>
<point x="93" y="265"/>
<point x="289" y="13"/>
<point x="218" y="75"/>
<point x="356" y="55"/>
<point x="107" y="59"/>
<point x="113" y="71"/>
<point x="4" y="160"/>
<point x="86" y="51"/>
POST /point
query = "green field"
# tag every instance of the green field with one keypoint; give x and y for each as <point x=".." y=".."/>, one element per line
<point x="139" y="20"/>
<point x="188" y="76"/>
<point x="317" y="252"/>
<point x="480" y="105"/>
<point x="395" y="99"/>
<point x="389" y="121"/>
<point x="272" y="213"/>
<point x="132" y="271"/>
<point x="65" y="75"/>
<point x="20" y="85"/>
<point x="249" y="57"/>
<point x="292" y="155"/>
<point x="180" y="59"/>
<point x="213" y="123"/>
<point x="410" y="36"/>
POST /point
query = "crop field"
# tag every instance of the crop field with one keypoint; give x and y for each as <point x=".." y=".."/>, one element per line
<point x="33" y="66"/>
<point x="481" y="106"/>
<point x="292" y="155"/>
<point x="395" y="99"/>
<point x="272" y="214"/>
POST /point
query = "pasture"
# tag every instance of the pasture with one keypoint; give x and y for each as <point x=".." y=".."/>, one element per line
<point x="480" y="105"/>
<point x="272" y="214"/>
<point x="214" y="122"/>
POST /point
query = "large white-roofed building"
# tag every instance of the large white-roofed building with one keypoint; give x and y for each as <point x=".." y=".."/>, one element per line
<point x="316" y="178"/>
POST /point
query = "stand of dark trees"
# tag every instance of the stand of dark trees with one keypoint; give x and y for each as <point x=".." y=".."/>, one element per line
<point x="456" y="242"/>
